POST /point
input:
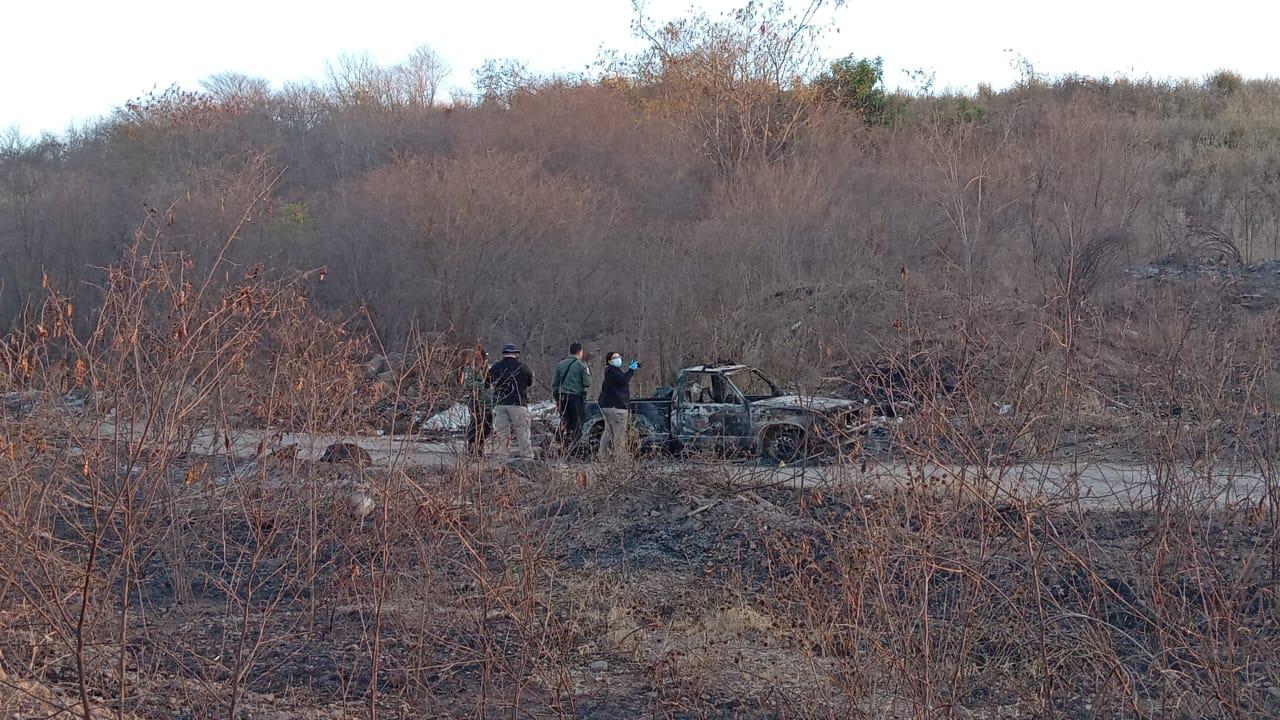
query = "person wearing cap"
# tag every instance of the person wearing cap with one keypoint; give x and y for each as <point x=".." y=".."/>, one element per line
<point x="510" y="380"/>
<point x="479" y="398"/>
<point x="615" y="405"/>
<point x="569" y="386"/>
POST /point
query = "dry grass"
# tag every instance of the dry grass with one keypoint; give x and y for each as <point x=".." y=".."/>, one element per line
<point x="144" y="574"/>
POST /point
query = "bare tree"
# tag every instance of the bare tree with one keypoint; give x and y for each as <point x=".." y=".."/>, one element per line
<point x="422" y="75"/>
<point x="233" y="87"/>
<point x="355" y="80"/>
<point x="497" y="81"/>
<point x="737" y="82"/>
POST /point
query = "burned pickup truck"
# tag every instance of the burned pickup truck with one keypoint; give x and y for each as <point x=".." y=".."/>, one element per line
<point x="737" y="409"/>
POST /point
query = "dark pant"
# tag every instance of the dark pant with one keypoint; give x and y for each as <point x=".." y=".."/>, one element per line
<point x="479" y="429"/>
<point x="573" y="410"/>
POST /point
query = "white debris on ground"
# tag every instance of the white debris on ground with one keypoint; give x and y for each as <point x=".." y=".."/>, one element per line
<point x="455" y="419"/>
<point x="543" y="409"/>
<point x="360" y="504"/>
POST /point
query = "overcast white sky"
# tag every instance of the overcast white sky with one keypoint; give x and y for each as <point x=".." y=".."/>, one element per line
<point x="68" y="62"/>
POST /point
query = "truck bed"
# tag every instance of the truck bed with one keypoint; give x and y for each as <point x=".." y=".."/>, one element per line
<point x="651" y="414"/>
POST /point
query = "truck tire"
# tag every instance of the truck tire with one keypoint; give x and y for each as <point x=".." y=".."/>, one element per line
<point x="648" y="444"/>
<point x="784" y="444"/>
<point x="589" y="443"/>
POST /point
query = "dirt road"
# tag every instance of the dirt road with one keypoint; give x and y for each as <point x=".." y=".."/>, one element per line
<point x="1096" y="484"/>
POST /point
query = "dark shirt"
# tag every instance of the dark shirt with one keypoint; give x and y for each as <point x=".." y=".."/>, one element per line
<point x="510" y="380"/>
<point x="615" y="391"/>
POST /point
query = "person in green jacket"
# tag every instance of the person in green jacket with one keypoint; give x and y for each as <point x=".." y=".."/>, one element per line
<point x="569" y="386"/>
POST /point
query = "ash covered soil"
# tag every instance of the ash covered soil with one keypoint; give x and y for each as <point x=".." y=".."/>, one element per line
<point x="648" y="591"/>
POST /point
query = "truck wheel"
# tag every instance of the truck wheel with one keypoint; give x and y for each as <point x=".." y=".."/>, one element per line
<point x="646" y="443"/>
<point x="589" y="442"/>
<point x="784" y="445"/>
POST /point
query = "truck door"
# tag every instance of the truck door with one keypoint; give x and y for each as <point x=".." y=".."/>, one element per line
<point x="709" y="412"/>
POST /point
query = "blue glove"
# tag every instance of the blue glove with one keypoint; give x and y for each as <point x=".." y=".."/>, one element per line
<point x="635" y="365"/>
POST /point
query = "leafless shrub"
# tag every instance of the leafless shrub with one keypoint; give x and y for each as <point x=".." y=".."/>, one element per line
<point x="1018" y="280"/>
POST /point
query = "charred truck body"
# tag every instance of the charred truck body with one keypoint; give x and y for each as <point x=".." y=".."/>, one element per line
<point x="736" y="408"/>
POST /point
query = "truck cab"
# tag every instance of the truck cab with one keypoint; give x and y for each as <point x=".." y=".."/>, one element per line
<point x="710" y="409"/>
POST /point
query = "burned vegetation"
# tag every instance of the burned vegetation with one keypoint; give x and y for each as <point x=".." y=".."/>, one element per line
<point x="953" y="406"/>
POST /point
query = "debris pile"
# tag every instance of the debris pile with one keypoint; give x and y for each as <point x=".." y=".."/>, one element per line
<point x="898" y="385"/>
<point x="18" y="405"/>
<point x="401" y="399"/>
<point x="453" y="420"/>
<point x="346" y="453"/>
<point x="1253" y="286"/>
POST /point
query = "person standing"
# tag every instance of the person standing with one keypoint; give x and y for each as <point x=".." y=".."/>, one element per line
<point x="615" y="404"/>
<point x="479" y="397"/>
<point x="510" y="380"/>
<point x="569" y="386"/>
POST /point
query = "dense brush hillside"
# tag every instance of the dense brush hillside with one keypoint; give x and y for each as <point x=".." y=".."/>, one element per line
<point x="687" y="208"/>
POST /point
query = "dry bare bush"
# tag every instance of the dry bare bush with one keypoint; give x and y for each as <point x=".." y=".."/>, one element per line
<point x="1071" y="277"/>
<point x="161" y="557"/>
<point x="1038" y="198"/>
<point x="168" y="551"/>
<point x="736" y="82"/>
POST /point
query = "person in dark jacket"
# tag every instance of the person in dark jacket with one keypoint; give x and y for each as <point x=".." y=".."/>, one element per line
<point x="569" y="386"/>
<point x="479" y="398"/>
<point x="615" y="405"/>
<point x="510" y="380"/>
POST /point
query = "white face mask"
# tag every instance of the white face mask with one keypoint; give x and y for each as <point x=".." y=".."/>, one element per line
<point x="616" y="362"/>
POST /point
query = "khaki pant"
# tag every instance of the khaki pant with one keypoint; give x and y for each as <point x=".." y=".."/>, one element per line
<point x="613" y="442"/>
<point x="511" y="425"/>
